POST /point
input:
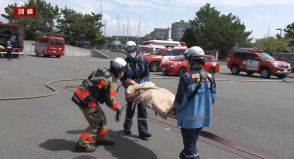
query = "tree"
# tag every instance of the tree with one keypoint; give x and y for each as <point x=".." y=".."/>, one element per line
<point x="79" y="29"/>
<point x="289" y="31"/>
<point x="43" y="24"/>
<point x="272" y="45"/>
<point x="212" y="30"/>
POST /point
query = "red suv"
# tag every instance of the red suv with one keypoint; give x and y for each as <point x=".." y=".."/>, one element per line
<point x="254" y="61"/>
<point x="155" y="58"/>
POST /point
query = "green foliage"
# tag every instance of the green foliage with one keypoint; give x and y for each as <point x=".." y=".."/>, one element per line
<point x="77" y="28"/>
<point x="43" y="24"/>
<point x="289" y="31"/>
<point x="212" y="30"/>
<point x="272" y="45"/>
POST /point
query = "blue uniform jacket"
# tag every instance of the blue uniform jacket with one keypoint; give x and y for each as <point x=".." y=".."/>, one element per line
<point x="137" y="69"/>
<point x="196" y="112"/>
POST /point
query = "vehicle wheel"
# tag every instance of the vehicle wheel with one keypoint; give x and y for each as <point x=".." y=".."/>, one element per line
<point x="211" y="70"/>
<point x="265" y="73"/>
<point x="249" y="73"/>
<point x="235" y="70"/>
<point x="58" y="56"/>
<point x="154" y="67"/>
<point x="181" y="71"/>
<point x="281" y="76"/>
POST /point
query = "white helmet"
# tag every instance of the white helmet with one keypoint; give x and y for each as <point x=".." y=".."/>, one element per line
<point x="130" y="46"/>
<point x="118" y="63"/>
<point x="194" y="52"/>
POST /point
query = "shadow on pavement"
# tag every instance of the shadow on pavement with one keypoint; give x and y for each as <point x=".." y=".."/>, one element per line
<point x="75" y="131"/>
<point x="58" y="145"/>
<point x="125" y="148"/>
<point x="85" y="157"/>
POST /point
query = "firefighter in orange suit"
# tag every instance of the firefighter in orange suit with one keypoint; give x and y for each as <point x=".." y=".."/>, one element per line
<point x="99" y="87"/>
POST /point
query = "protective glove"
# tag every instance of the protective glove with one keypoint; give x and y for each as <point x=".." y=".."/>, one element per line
<point x="118" y="113"/>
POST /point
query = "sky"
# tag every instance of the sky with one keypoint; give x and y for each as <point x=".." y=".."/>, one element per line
<point x="262" y="17"/>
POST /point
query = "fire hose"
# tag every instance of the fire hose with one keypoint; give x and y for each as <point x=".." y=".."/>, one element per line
<point x="205" y="134"/>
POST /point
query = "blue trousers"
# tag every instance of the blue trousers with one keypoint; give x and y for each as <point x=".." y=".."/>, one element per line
<point x="9" y="55"/>
<point x="142" y="118"/>
<point x="190" y="137"/>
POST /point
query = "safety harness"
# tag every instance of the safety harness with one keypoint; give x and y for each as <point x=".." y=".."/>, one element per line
<point x="200" y="78"/>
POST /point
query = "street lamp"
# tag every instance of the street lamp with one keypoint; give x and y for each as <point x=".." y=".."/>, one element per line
<point x="281" y="30"/>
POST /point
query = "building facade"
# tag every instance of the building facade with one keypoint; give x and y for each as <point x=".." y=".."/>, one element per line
<point x="158" y="34"/>
<point x="178" y="29"/>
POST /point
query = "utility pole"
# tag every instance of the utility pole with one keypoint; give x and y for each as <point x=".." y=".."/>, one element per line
<point x="105" y="28"/>
<point x="123" y="34"/>
<point x="127" y="28"/>
<point x="139" y="30"/>
<point x="101" y="7"/>
<point x="117" y="28"/>
<point x="268" y="31"/>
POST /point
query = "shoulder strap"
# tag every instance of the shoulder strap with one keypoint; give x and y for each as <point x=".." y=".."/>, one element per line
<point x="208" y="75"/>
<point x="195" y="90"/>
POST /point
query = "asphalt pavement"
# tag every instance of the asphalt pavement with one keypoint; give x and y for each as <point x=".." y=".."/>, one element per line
<point x="254" y="115"/>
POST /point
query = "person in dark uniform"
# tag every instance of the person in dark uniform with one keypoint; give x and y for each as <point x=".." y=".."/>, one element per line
<point x="136" y="72"/>
<point x="9" y="51"/>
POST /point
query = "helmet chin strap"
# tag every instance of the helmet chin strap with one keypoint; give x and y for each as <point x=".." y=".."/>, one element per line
<point x="133" y="54"/>
<point x="195" y="65"/>
<point x="120" y="75"/>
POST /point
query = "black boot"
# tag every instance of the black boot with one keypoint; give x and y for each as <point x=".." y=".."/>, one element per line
<point x="88" y="148"/>
<point x="127" y="132"/>
<point x="145" y="136"/>
<point x="105" y="142"/>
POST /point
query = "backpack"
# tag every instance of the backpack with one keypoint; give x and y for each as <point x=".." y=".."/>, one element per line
<point x="93" y="79"/>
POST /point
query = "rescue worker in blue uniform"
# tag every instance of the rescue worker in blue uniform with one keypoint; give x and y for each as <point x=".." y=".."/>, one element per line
<point x="99" y="87"/>
<point x="195" y="97"/>
<point x="136" y="72"/>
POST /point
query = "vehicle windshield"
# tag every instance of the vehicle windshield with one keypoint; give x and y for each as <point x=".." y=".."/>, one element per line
<point x="57" y="42"/>
<point x="142" y="49"/>
<point x="267" y="57"/>
<point x="210" y="59"/>
<point x="179" y="58"/>
<point x="157" y="52"/>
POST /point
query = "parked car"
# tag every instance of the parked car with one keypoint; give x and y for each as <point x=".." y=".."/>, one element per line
<point x="255" y="61"/>
<point x="148" y="49"/>
<point x="179" y="65"/>
<point x="155" y="58"/>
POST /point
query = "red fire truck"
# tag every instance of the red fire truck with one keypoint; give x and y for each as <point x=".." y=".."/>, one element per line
<point x="13" y="33"/>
